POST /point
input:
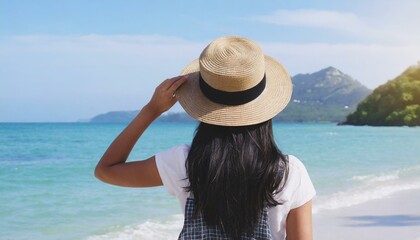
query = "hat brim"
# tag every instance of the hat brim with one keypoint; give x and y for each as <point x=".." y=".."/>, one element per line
<point x="267" y="105"/>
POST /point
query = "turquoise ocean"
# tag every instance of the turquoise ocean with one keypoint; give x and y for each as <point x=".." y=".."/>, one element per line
<point x="48" y="190"/>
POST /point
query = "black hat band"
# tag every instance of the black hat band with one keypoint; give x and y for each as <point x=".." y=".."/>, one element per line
<point x="232" y="98"/>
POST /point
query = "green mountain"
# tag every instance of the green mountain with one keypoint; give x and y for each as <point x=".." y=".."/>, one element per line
<point x="324" y="96"/>
<point x="329" y="86"/>
<point x="115" y="116"/>
<point x="396" y="103"/>
<point x="127" y="116"/>
<point x="328" y="95"/>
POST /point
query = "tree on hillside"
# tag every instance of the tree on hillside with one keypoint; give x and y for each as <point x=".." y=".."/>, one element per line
<point x="395" y="103"/>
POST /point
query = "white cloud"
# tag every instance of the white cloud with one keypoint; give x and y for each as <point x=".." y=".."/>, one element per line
<point x="341" y="21"/>
<point x="140" y="44"/>
<point x="47" y="77"/>
<point x="63" y="78"/>
<point x="371" y="64"/>
<point x="396" y="24"/>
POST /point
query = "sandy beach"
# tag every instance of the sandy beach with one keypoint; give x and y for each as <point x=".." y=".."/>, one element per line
<point x="396" y="217"/>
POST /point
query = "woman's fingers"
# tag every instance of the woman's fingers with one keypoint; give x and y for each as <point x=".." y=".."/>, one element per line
<point x="163" y="98"/>
<point x="169" y="82"/>
<point x="177" y="83"/>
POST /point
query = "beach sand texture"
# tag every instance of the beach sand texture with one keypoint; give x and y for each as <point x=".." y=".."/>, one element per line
<point x="396" y="217"/>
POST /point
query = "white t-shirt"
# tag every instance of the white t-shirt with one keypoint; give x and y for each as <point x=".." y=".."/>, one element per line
<point x="297" y="191"/>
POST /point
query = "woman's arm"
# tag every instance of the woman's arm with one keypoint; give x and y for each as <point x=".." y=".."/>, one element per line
<point x="112" y="167"/>
<point x="299" y="223"/>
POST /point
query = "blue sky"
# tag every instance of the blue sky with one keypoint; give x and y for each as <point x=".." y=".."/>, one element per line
<point x="70" y="60"/>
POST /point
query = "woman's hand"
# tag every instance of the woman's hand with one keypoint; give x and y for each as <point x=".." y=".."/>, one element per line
<point x="164" y="97"/>
<point x="112" y="168"/>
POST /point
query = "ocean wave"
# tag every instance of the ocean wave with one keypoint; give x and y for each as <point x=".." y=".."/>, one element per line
<point x="368" y="187"/>
<point x="332" y="133"/>
<point x="392" y="175"/>
<point x="383" y="187"/>
<point x="377" y="178"/>
<point x="158" y="230"/>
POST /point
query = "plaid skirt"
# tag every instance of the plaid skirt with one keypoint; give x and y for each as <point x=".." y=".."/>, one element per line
<point x="196" y="228"/>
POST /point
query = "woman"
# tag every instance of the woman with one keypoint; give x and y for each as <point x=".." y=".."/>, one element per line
<point x="232" y="182"/>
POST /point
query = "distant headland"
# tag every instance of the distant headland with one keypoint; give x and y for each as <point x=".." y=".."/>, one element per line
<point x="328" y="95"/>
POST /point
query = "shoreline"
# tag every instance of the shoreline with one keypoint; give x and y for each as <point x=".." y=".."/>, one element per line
<point x="396" y="216"/>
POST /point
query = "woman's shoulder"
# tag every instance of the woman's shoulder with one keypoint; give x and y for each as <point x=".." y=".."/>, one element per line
<point x="298" y="188"/>
<point x="179" y="151"/>
<point x="295" y="163"/>
<point x="171" y="167"/>
<point x="173" y="159"/>
<point x="184" y="148"/>
<point x="296" y="169"/>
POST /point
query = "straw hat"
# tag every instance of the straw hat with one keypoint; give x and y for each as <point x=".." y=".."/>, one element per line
<point x="234" y="84"/>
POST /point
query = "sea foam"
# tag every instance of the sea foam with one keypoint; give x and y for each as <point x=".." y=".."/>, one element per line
<point x="157" y="230"/>
<point x="387" y="176"/>
<point x="370" y="187"/>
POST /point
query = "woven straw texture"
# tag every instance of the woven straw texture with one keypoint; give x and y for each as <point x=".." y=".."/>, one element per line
<point x="234" y="67"/>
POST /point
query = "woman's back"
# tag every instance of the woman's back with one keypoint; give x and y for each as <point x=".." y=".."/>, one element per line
<point x="297" y="190"/>
<point x="233" y="173"/>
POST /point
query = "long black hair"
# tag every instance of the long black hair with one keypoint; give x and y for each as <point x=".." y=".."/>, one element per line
<point x="234" y="173"/>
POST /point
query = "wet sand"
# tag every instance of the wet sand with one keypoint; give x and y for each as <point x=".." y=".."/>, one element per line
<point x="396" y="217"/>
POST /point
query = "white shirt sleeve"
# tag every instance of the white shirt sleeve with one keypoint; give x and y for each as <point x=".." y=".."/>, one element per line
<point x="301" y="183"/>
<point x="171" y="167"/>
